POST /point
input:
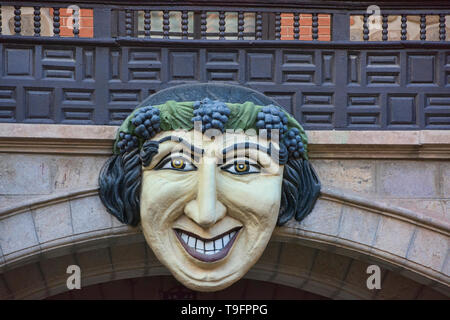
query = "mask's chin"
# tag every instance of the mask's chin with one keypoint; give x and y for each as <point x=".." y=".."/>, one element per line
<point x="210" y="269"/>
<point x="220" y="274"/>
<point x="208" y="259"/>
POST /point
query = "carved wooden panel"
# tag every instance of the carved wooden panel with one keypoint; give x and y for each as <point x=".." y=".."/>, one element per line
<point x="325" y="89"/>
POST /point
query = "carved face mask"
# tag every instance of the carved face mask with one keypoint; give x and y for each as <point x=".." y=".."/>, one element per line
<point x="208" y="197"/>
<point x="209" y="219"/>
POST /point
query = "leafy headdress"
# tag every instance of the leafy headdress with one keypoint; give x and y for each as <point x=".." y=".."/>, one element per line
<point x="148" y="120"/>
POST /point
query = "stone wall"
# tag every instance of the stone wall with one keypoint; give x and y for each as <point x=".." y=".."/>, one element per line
<point x="422" y="186"/>
<point x="385" y="200"/>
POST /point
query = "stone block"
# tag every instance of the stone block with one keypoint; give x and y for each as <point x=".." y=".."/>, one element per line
<point x="359" y="225"/>
<point x="429" y="249"/>
<point x="61" y="131"/>
<point x="416" y="277"/>
<point x="354" y="175"/>
<point x="2" y="258"/>
<point x="320" y="287"/>
<point x="447" y="209"/>
<point x="261" y="273"/>
<point x="442" y="288"/>
<point x="288" y="279"/>
<point x="432" y="208"/>
<point x="445" y="180"/>
<point x="266" y="266"/>
<point x="366" y="137"/>
<point x="396" y="287"/>
<point x="382" y="263"/>
<point x="94" y="262"/>
<point x="24" y="175"/>
<point x="434" y="136"/>
<point x="408" y="179"/>
<point x="271" y="254"/>
<point x="89" y="214"/>
<point x="116" y="224"/>
<point x="25" y="280"/>
<point x="17" y="232"/>
<point x="55" y="269"/>
<point x="92" y="279"/>
<point x="5" y="293"/>
<point x="296" y="259"/>
<point x="130" y="255"/>
<point x="76" y="172"/>
<point x="324" y="218"/>
<point x="356" y="279"/>
<point x="14" y="200"/>
<point x="393" y="236"/>
<point x="53" y="222"/>
<point x="446" y="266"/>
<point x="59" y="291"/>
<point x="129" y="272"/>
<point x="331" y="267"/>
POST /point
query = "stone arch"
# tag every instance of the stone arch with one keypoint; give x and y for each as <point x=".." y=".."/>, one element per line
<point x="327" y="253"/>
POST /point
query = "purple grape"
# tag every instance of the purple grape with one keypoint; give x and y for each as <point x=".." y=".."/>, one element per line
<point x="212" y="113"/>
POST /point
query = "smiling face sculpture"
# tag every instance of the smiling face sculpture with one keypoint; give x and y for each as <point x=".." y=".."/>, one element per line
<point x="208" y="182"/>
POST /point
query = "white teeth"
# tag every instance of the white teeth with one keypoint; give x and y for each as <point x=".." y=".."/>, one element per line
<point x="218" y="244"/>
<point x="191" y="242"/>
<point x="226" y="239"/>
<point x="209" y="247"/>
<point x="200" y="245"/>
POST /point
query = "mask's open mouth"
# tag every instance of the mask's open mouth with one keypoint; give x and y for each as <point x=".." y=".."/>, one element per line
<point x="207" y="250"/>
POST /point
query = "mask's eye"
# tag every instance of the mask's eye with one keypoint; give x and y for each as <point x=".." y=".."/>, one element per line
<point x="176" y="163"/>
<point x="241" y="167"/>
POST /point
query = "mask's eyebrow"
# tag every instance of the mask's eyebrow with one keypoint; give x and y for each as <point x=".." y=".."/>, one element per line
<point x="193" y="149"/>
<point x="245" y="146"/>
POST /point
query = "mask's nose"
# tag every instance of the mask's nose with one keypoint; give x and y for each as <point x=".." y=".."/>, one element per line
<point x="206" y="210"/>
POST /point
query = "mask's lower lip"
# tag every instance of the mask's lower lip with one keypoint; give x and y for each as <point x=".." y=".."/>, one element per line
<point x="207" y="250"/>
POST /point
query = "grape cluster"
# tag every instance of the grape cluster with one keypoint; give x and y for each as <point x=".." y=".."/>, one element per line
<point x="147" y="122"/>
<point x="271" y="118"/>
<point x="127" y="142"/>
<point x="212" y="113"/>
<point x="294" y="144"/>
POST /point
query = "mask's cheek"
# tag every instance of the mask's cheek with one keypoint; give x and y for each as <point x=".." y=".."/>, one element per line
<point x="164" y="193"/>
<point x="254" y="202"/>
